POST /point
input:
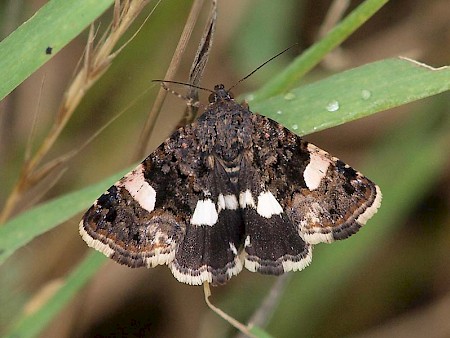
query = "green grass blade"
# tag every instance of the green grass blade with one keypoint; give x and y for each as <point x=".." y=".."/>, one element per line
<point x="54" y="25"/>
<point x="31" y="325"/>
<point x="353" y="94"/>
<point x="34" y="222"/>
<point x="311" y="57"/>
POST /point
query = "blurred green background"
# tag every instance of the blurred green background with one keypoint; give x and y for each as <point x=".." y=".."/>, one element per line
<point x="397" y="283"/>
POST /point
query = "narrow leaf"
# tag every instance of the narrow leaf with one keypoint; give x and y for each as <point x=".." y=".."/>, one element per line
<point x="354" y="94"/>
<point x="42" y="36"/>
<point x="313" y="55"/>
<point x="31" y="325"/>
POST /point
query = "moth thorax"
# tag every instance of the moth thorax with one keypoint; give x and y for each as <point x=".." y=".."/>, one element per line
<point x="230" y="136"/>
<point x="229" y="151"/>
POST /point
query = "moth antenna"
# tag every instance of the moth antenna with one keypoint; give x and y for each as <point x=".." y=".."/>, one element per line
<point x="189" y="100"/>
<point x="182" y="83"/>
<point x="185" y="98"/>
<point x="259" y="67"/>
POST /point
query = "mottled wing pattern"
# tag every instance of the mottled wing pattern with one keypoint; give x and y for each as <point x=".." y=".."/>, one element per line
<point x="272" y="242"/>
<point x="162" y="213"/>
<point x="325" y="198"/>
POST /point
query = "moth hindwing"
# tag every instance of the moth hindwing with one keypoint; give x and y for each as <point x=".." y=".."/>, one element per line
<point x="231" y="190"/>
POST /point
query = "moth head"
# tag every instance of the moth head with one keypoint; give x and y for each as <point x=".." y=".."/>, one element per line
<point x="220" y="93"/>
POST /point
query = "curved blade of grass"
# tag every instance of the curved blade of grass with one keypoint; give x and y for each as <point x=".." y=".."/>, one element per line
<point x="34" y="222"/>
<point x="54" y="25"/>
<point x="313" y="55"/>
<point x="353" y="94"/>
<point x="31" y="325"/>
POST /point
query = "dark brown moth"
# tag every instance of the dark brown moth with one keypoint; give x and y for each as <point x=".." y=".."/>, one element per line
<point x="231" y="190"/>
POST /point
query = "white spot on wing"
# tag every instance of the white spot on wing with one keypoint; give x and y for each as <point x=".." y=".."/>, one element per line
<point x="268" y="205"/>
<point x="220" y="203"/>
<point x="317" y="167"/>
<point x="139" y="189"/>
<point x="233" y="248"/>
<point x="247" y="241"/>
<point x="246" y="198"/>
<point x="229" y="202"/>
<point x="205" y="213"/>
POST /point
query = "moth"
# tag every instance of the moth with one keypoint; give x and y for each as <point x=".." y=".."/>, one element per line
<point x="231" y="190"/>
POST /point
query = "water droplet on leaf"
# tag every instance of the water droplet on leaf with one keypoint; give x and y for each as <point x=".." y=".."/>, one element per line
<point x="333" y="106"/>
